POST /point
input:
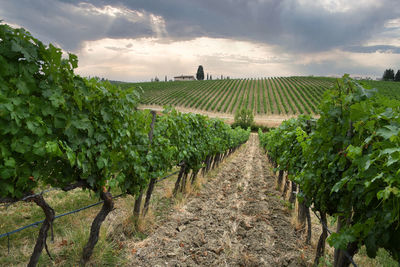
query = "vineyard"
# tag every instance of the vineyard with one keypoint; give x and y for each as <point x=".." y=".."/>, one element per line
<point x="266" y="96"/>
<point x="87" y="140"/>
<point x="344" y="165"/>
<point x="387" y="88"/>
<point x="63" y="131"/>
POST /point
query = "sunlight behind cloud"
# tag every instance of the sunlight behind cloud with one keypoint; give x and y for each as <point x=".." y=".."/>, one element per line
<point x="145" y="58"/>
<point x="111" y="11"/>
<point x="156" y="23"/>
<point x="389" y="35"/>
<point x="339" y="6"/>
<point x="134" y="59"/>
<point x="393" y="23"/>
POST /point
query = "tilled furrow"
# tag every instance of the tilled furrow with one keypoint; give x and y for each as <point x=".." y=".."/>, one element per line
<point x="237" y="220"/>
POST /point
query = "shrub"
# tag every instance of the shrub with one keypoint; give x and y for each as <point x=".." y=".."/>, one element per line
<point x="244" y="118"/>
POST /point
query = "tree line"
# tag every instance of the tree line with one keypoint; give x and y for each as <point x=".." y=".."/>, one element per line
<point x="388" y="75"/>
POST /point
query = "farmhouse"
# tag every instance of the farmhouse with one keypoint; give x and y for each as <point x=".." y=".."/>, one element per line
<point x="184" y="78"/>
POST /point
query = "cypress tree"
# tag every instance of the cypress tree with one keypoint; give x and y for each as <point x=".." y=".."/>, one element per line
<point x="200" y="73"/>
<point x="388" y="75"/>
<point x="397" y="76"/>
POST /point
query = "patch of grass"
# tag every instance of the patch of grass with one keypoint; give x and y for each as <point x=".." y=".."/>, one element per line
<point x="382" y="259"/>
<point x="163" y="207"/>
<point x="139" y="235"/>
<point x="325" y="261"/>
<point x="24" y="213"/>
<point x="287" y="204"/>
<point x="70" y="232"/>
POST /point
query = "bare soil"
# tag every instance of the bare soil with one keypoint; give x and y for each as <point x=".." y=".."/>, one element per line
<point x="237" y="219"/>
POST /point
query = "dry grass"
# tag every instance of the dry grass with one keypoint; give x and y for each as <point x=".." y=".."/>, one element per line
<point x="168" y="192"/>
<point x="247" y="259"/>
<point x="71" y="232"/>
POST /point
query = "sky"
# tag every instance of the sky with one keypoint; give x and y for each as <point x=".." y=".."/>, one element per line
<point x="136" y="40"/>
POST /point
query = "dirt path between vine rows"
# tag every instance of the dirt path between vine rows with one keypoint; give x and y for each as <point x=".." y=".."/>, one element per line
<point x="267" y="120"/>
<point x="237" y="219"/>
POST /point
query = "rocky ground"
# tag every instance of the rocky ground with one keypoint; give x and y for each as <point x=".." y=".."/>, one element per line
<point x="237" y="219"/>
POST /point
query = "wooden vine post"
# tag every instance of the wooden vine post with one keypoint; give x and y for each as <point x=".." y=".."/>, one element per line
<point x="292" y="197"/>
<point x="204" y="170"/>
<point x="181" y="173"/>
<point x="308" y="216"/>
<point x="184" y="180"/>
<point x="280" y="178"/>
<point x="194" y="176"/>
<point x="285" y="185"/>
<point x="136" y="207"/>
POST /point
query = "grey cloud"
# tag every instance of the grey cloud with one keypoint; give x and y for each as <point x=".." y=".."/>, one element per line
<point x="243" y="59"/>
<point x="70" y="24"/>
<point x="288" y="25"/>
<point x="284" y="23"/>
<point x="338" y="68"/>
<point x="117" y="49"/>
<point x="374" y="48"/>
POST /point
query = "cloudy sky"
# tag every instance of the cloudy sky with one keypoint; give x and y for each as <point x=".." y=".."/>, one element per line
<point x="139" y="39"/>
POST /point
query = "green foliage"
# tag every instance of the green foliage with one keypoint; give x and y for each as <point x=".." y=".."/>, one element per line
<point x="388" y="75"/>
<point x="200" y="73"/>
<point x="255" y="128"/>
<point x="346" y="163"/>
<point x="397" y="76"/>
<point x="389" y="89"/>
<point x="58" y="128"/>
<point x="244" y="118"/>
